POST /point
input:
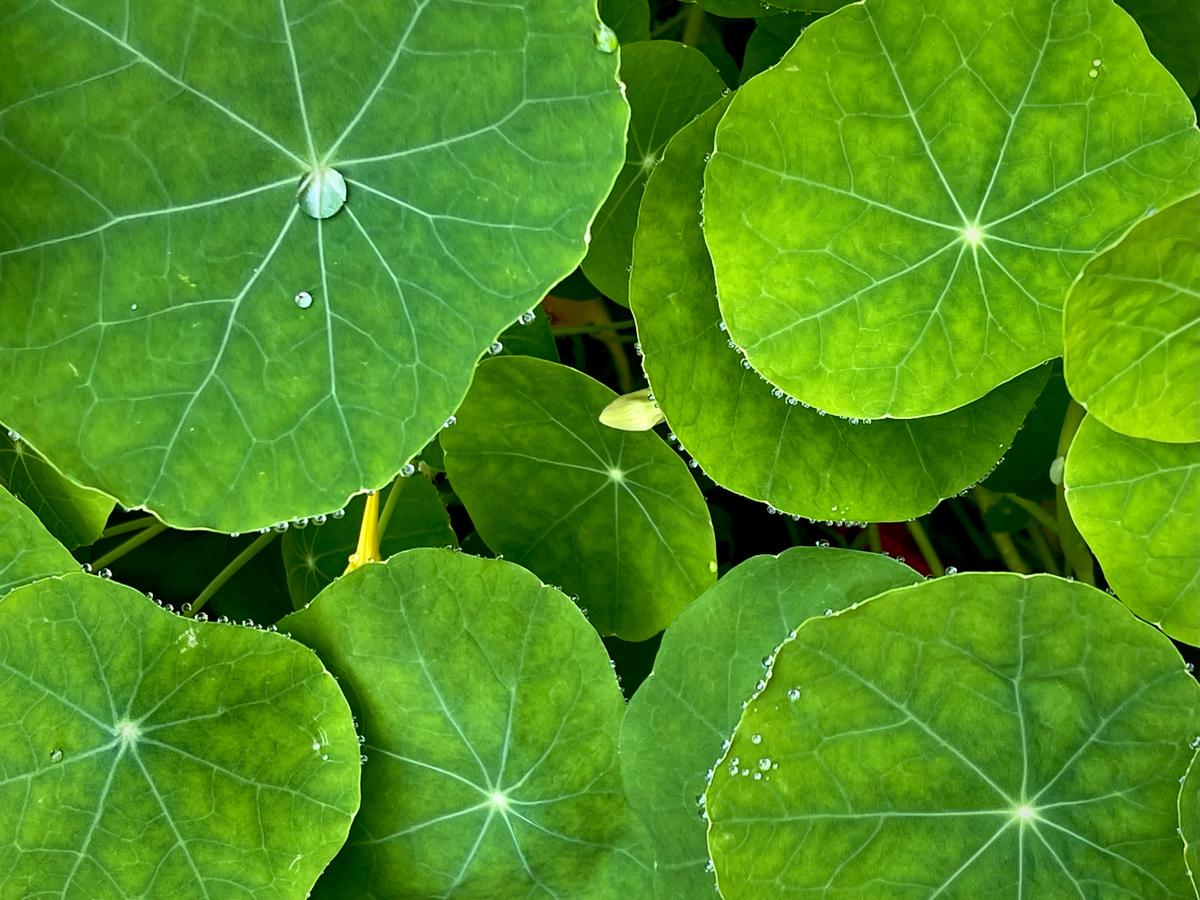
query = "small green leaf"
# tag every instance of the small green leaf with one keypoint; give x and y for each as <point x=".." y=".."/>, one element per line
<point x="667" y="85"/>
<point x="680" y="715"/>
<point x="152" y="756"/>
<point x="317" y="555"/>
<point x="976" y="735"/>
<point x="1137" y="504"/>
<point x="1132" y="329"/>
<point x="195" y="319"/>
<point x="762" y="446"/>
<point x="27" y="550"/>
<point x="896" y="211"/>
<point x="612" y="516"/>
<point x="74" y="515"/>
<point x="491" y="715"/>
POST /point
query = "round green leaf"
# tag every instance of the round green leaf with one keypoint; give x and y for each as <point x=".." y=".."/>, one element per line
<point x="764" y="446"/>
<point x="74" y="515"/>
<point x="1131" y="329"/>
<point x="27" y="550"/>
<point x="152" y="756"/>
<point x="315" y="556"/>
<point x="192" y="322"/>
<point x="680" y="716"/>
<point x="979" y="735"/>
<point x="896" y="211"/>
<point x="491" y="715"/>
<point x="668" y="84"/>
<point x="1189" y="817"/>
<point x="1137" y="504"/>
<point x="612" y="516"/>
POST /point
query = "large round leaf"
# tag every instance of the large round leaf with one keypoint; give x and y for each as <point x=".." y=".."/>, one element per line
<point x="27" y="551"/>
<point x="612" y="516"/>
<point x="491" y="716"/>
<point x="315" y="556"/>
<point x="152" y="756"/>
<point x="74" y="515"/>
<point x="1137" y="504"/>
<point x="975" y="736"/>
<point x="181" y="327"/>
<point x="679" y="717"/>
<point x="897" y="209"/>
<point x="761" y="445"/>
<point x="1132" y="329"/>
<point x="667" y="84"/>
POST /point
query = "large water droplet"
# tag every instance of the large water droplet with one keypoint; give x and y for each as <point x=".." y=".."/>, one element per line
<point x="322" y="192"/>
<point x="606" y="39"/>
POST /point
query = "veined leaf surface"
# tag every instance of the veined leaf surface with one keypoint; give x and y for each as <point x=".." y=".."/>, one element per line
<point x="266" y="244"/>
<point x="1132" y="329"/>
<point x="761" y="445"/>
<point x="491" y="714"/>
<point x="976" y="735"/>
<point x="679" y="717"/>
<point x="1137" y="504"/>
<point x="612" y="516"/>
<point x="27" y="550"/>
<point x="897" y="209"/>
<point x="152" y="756"/>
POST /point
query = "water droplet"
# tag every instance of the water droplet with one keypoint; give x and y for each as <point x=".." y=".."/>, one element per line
<point x="450" y="420"/>
<point x="338" y="513"/>
<point x="362" y="757"/>
<point x="764" y="764"/>
<point x="56" y="755"/>
<point x="303" y="299"/>
<point x="758" y="776"/>
<point x="316" y="745"/>
<point x="87" y="567"/>
<point x="709" y="867"/>
<point x="1092" y="73"/>
<point x="133" y="306"/>
<point x="828" y="612"/>
<point x="300" y="523"/>
<point x="822" y="544"/>
<point x="951" y="570"/>
<point x="319" y="519"/>
<point x="756" y="738"/>
<point x="202" y="617"/>
<point x="105" y="573"/>
<point x="760" y="685"/>
<point x="408" y="470"/>
<point x="526" y="317"/>
<point x="281" y="527"/>
<point x="793" y="694"/>
<point x="322" y="192"/>
<point x="1195" y="744"/>
<point x="606" y="39"/>
<point x="1097" y="63"/>
<point x="495" y="347"/>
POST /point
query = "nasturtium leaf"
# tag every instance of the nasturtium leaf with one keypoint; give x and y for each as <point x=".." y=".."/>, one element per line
<point x="74" y="515"/>
<point x="977" y="735"/>
<point x="1131" y="329"/>
<point x="628" y="19"/>
<point x="757" y="444"/>
<point x="614" y="517"/>
<point x="897" y="210"/>
<point x="1137" y="504"/>
<point x="152" y="756"/>
<point x="27" y="550"/>
<point x="191" y="322"/>
<point x="679" y="717"/>
<point x="668" y="84"/>
<point x="316" y="555"/>
<point x="1189" y="816"/>
<point x="1172" y="29"/>
<point x="491" y="715"/>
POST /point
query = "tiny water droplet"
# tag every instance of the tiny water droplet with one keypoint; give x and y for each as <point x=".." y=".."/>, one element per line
<point x="450" y="421"/>
<point x="793" y="694"/>
<point x="407" y="470"/>
<point x="303" y="299"/>
<point x="756" y="738"/>
<point x="338" y="513"/>
<point x="56" y="755"/>
<point x="606" y="39"/>
<point x="828" y="612"/>
<point x="951" y="570"/>
<point x="495" y="347"/>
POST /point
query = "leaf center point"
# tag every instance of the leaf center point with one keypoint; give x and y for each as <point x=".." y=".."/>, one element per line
<point x="1025" y="813"/>
<point x="972" y="234"/>
<point x="322" y="192"/>
<point x="498" y="800"/>
<point x="127" y="732"/>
